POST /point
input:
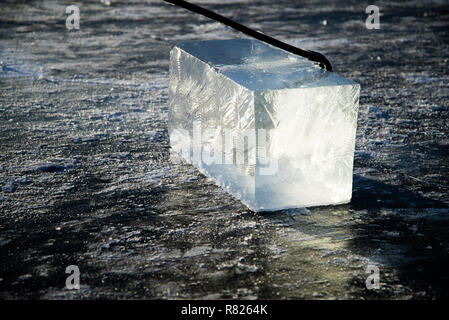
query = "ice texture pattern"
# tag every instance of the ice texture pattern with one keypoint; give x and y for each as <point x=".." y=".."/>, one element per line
<point x="272" y="128"/>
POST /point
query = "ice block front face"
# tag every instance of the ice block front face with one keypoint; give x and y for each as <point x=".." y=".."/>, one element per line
<point x="272" y="128"/>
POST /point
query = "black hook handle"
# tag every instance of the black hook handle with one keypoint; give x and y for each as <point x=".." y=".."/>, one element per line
<point x="311" y="55"/>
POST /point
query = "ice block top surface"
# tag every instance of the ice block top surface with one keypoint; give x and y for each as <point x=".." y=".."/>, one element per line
<point x="259" y="66"/>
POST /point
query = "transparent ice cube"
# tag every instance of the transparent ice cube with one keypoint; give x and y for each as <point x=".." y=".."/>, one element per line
<point x="272" y="128"/>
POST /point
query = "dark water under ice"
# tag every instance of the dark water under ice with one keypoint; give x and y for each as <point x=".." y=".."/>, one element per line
<point x="86" y="176"/>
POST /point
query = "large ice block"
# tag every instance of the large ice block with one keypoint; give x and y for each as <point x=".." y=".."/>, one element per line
<point x="272" y="128"/>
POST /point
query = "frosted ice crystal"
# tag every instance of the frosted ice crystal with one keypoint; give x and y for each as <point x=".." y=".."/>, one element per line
<point x="270" y="127"/>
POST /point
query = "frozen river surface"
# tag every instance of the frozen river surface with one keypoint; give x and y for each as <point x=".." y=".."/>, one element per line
<point x="87" y="178"/>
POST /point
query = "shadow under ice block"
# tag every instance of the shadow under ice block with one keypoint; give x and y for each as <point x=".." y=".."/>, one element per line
<point x="272" y="128"/>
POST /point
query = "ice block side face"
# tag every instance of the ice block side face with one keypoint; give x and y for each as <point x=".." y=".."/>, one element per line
<point x="273" y="129"/>
<point x="312" y="145"/>
<point x="207" y="110"/>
